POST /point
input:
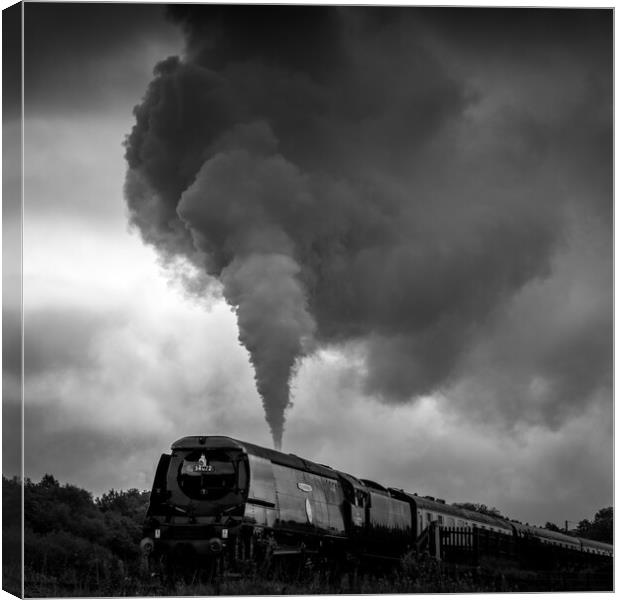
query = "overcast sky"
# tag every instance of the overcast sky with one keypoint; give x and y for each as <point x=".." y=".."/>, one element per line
<point x="410" y="210"/>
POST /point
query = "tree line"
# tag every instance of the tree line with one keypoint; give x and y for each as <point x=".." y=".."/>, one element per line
<point x="601" y="528"/>
<point x="72" y="541"/>
<point x="75" y="543"/>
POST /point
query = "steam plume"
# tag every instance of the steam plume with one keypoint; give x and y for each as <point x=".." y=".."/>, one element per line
<point x="257" y="268"/>
<point x="342" y="175"/>
<point x="273" y="324"/>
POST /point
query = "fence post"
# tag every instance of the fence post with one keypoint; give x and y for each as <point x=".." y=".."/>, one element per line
<point x="437" y="540"/>
<point x="475" y="543"/>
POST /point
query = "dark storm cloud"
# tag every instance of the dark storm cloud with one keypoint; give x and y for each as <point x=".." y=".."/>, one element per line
<point x="401" y="192"/>
<point x="71" y="51"/>
<point x="560" y="66"/>
<point x="550" y="354"/>
<point x="307" y="39"/>
<point x="59" y="339"/>
<point x="12" y="432"/>
<point x="70" y="453"/>
<point x="523" y="30"/>
<point x="11" y="245"/>
<point x="11" y="340"/>
<point x="11" y="67"/>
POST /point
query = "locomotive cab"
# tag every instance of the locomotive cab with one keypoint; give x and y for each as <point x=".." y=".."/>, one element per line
<point x="356" y="504"/>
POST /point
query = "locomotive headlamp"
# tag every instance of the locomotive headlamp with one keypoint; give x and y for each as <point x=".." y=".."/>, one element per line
<point x="146" y="545"/>
<point x="157" y="533"/>
<point x="224" y="534"/>
<point x="215" y="545"/>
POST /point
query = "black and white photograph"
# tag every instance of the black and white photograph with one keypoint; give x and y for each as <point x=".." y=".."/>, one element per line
<point x="306" y="299"/>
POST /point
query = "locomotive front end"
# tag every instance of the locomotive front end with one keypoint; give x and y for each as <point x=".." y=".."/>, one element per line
<point x="197" y="500"/>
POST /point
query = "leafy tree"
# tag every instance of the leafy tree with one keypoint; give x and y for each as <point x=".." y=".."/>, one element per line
<point x="11" y="502"/>
<point x="71" y="537"/>
<point x="601" y="528"/>
<point x="131" y="503"/>
<point x="552" y="526"/>
<point x="48" y="481"/>
<point x="48" y="507"/>
<point x="11" y="535"/>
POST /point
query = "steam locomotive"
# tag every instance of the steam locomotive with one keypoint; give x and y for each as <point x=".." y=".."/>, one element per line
<point x="218" y="498"/>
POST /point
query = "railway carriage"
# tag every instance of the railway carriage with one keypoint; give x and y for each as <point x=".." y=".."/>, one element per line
<point x="596" y="548"/>
<point x="429" y="510"/>
<point x="547" y="537"/>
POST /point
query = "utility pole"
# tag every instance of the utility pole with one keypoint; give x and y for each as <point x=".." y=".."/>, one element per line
<point x="566" y="525"/>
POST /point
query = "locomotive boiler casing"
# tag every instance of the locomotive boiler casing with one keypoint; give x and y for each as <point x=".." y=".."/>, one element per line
<point x="216" y="495"/>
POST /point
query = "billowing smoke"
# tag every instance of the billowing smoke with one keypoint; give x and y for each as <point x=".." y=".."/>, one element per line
<point x="350" y="174"/>
<point x="273" y="324"/>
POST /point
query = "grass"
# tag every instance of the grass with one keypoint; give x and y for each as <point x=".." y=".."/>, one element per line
<point x="422" y="576"/>
<point x="430" y="580"/>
